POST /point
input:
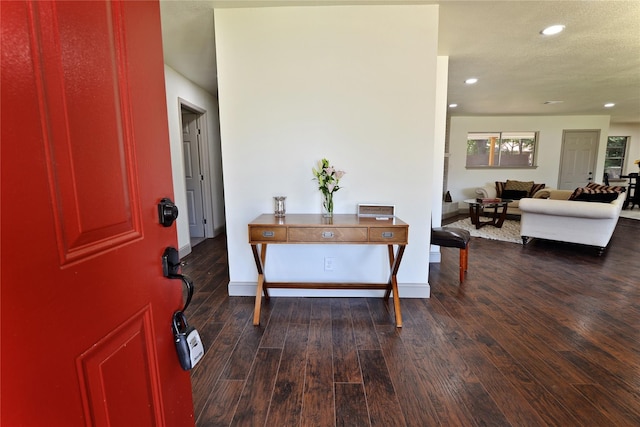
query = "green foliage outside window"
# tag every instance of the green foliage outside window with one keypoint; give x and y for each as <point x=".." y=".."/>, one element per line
<point x="614" y="159"/>
<point x="501" y="149"/>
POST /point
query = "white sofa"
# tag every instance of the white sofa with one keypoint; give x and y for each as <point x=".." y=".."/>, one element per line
<point x="586" y="223"/>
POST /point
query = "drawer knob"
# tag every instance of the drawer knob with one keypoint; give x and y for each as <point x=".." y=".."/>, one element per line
<point x="268" y="234"/>
<point x="327" y="234"/>
<point x="387" y="234"/>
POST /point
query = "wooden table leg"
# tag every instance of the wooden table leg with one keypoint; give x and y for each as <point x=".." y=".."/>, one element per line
<point x="260" y="288"/>
<point x="394" y="285"/>
<point x="503" y="215"/>
<point x="496" y="219"/>
<point x="263" y="258"/>
<point x="256" y="309"/>
<point x="391" y="261"/>
<point x="474" y="215"/>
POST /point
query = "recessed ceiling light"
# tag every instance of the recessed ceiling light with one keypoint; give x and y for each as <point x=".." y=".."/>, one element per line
<point x="471" y="81"/>
<point x="453" y="105"/>
<point x="609" y="105"/>
<point x="554" y="29"/>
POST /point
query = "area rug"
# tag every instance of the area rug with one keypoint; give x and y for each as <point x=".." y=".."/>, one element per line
<point x="630" y="213"/>
<point x="510" y="231"/>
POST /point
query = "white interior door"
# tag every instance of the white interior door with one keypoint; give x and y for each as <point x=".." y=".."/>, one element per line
<point x="578" y="158"/>
<point x="191" y="145"/>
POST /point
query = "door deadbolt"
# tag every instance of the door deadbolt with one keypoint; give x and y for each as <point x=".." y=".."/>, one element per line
<point x="167" y="212"/>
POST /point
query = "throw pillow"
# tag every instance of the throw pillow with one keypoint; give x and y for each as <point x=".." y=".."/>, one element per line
<point x="535" y="188"/>
<point x="519" y="185"/>
<point x="597" y="197"/>
<point x="514" y="194"/>
<point x="542" y="194"/>
<point x="586" y="194"/>
<point x="605" y="188"/>
<point x="577" y="192"/>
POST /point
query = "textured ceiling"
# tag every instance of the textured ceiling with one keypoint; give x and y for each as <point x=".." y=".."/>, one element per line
<point x="594" y="61"/>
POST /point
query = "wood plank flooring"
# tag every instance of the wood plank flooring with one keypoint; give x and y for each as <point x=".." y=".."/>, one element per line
<point x="542" y="335"/>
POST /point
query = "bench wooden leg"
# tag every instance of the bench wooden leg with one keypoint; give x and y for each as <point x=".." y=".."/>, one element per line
<point x="464" y="262"/>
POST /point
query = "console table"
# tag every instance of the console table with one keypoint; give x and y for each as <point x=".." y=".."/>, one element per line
<point x="345" y="229"/>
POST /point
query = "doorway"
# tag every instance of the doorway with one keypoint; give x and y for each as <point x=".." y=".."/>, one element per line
<point x="578" y="158"/>
<point x="196" y="172"/>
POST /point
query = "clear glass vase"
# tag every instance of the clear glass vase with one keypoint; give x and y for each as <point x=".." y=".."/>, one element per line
<point x="327" y="205"/>
<point x="279" y="209"/>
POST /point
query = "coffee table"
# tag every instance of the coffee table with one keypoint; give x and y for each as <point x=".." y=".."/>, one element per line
<point x="496" y="218"/>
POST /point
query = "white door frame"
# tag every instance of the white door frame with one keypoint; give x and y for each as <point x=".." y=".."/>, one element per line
<point x="206" y="170"/>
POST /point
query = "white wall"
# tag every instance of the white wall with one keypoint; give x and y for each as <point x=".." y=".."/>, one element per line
<point x="633" y="149"/>
<point x="354" y="84"/>
<point x="178" y="87"/>
<point x="463" y="181"/>
<point x="439" y="142"/>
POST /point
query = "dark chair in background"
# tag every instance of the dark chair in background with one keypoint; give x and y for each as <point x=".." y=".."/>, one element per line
<point x="451" y="237"/>
<point x="633" y="195"/>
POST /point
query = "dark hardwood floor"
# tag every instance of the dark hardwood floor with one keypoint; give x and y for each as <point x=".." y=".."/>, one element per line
<point x="542" y="335"/>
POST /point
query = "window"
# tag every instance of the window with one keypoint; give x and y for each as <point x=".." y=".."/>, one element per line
<point x="501" y="149"/>
<point x="614" y="158"/>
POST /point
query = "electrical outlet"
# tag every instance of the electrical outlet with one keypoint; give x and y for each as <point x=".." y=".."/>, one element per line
<point x="329" y="263"/>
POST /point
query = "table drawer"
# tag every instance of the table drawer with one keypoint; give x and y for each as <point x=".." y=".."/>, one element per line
<point x="388" y="235"/>
<point x="267" y="233"/>
<point x="328" y="235"/>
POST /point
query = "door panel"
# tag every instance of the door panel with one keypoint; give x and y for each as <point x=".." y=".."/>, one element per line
<point x="127" y="349"/>
<point x="578" y="158"/>
<point x="82" y="229"/>
<point x="85" y="310"/>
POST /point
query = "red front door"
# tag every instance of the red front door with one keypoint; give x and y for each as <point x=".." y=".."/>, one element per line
<point x="85" y="309"/>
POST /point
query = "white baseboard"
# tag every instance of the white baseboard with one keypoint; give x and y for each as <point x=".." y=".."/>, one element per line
<point x="435" y="256"/>
<point x="406" y="290"/>
<point x="219" y="230"/>
<point x="184" y="251"/>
